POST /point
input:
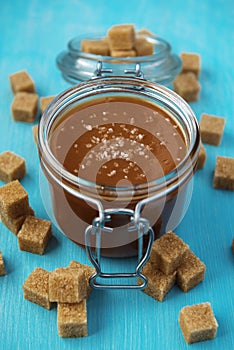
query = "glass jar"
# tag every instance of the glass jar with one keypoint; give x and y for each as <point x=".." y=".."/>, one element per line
<point x="161" y="67"/>
<point x="117" y="221"/>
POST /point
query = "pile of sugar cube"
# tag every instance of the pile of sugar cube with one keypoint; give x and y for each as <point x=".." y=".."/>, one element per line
<point x="171" y="261"/>
<point x="121" y="41"/>
<point x="69" y="288"/>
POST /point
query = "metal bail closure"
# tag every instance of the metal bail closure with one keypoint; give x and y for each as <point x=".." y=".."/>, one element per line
<point x="100" y="70"/>
<point x="98" y="226"/>
<point x="134" y="72"/>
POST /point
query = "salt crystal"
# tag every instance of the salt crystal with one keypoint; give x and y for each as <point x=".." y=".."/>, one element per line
<point x="113" y="172"/>
<point x="123" y="154"/>
<point x="133" y="131"/>
<point x="149" y="119"/>
<point x="140" y="137"/>
<point x="88" y="127"/>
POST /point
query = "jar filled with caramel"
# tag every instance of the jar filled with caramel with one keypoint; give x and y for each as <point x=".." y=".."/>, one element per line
<point x="118" y="155"/>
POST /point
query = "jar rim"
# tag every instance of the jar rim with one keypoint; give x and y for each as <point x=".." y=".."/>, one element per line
<point x="77" y="92"/>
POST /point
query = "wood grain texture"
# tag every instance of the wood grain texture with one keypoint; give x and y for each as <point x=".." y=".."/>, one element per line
<point x="32" y="34"/>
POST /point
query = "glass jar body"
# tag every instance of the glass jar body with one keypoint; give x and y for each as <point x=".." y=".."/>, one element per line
<point x="76" y="203"/>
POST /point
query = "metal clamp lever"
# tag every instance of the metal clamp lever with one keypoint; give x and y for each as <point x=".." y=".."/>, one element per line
<point x="137" y="71"/>
<point x="100" y="71"/>
<point x="142" y="227"/>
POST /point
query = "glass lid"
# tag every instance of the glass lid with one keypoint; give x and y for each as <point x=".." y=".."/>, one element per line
<point x="161" y="67"/>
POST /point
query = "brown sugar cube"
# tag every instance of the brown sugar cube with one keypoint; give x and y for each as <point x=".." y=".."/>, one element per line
<point x="88" y="272"/>
<point x="36" y="288"/>
<point x="121" y="37"/>
<point x="96" y="47"/>
<point x="12" y="167"/>
<point x="191" y="62"/>
<point x="35" y="133"/>
<point x="123" y="53"/>
<point x="21" y="81"/>
<point x="159" y="284"/>
<point x="14" y="225"/>
<point x="13" y="200"/>
<point x="2" y="267"/>
<point x="105" y="39"/>
<point x="24" y="107"/>
<point x="168" y="252"/>
<point x="187" y="86"/>
<point x="190" y="272"/>
<point x="198" y="322"/>
<point x="34" y="235"/>
<point x="72" y="320"/>
<point x="224" y="173"/>
<point x="143" y="47"/>
<point x="44" y="101"/>
<point x="145" y="31"/>
<point x="67" y="285"/>
<point x="201" y="157"/>
<point x="211" y="128"/>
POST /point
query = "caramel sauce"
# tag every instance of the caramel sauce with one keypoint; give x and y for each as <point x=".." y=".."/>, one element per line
<point x="115" y="142"/>
<point x="121" y="141"/>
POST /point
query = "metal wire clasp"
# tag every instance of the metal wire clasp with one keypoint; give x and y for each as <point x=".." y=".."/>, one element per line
<point x="98" y="226"/>
<point x="100" y="71"/>
<point x="137" y="71"/>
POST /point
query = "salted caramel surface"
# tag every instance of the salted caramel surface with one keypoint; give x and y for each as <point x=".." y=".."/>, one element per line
<point x="118" y="140"/>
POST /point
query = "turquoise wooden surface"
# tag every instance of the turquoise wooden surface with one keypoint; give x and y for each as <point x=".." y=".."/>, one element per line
<point x="32" y="33"/>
